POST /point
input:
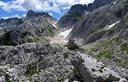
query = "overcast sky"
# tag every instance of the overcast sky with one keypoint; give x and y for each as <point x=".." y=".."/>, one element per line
<point x="18" y="8"/>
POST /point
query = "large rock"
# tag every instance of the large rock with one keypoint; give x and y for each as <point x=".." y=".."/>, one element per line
<point x="93" y="71"/>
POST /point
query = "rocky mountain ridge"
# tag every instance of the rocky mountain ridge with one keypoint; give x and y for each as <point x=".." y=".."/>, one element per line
<point x="30" y="50"/>
<point x="31" y="28"/>
<point x="76" y="12"/>
<point x="103" y="22"/>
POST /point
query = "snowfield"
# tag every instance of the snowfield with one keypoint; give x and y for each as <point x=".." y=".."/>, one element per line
<point x="112" y="25"/>
<point x="65" y="33"/>
<point x="54" y="26"/>
<point x="61" y="37"/>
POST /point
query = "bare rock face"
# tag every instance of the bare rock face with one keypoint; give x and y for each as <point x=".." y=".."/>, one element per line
<point x="93" y="71"/>
<point x="97" y="3"/>
<point x="76" y="12"/>
<point x="94" y="24"/>
<point x="32" y="14"/>
<point x="72" y="17"/>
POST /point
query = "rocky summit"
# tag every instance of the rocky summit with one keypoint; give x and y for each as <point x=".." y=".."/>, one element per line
<point x="88" y="44"/>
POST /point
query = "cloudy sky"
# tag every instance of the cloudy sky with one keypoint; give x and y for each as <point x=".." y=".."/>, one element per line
<point x="18" y="8"/>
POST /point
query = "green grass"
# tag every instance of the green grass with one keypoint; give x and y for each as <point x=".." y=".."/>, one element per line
<point x="112" y="49"/>
<point x="124" y="47"/>
<point x="111" y="42"/>
<point x="50" y="32"/>
<point x="31" y="69"/>
<point x="32" y="39"/>
<point x="104" y="54"/>
<point x="115" y="40"/>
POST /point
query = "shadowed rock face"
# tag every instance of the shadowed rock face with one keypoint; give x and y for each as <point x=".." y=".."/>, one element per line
<point x="98" y="3"/>
<point x="33" y="28"/>
<point x="78" y="8"/>
<point x="92" y="27"/>
<point x="74" y="15"/>
<point x="93" y="71"/>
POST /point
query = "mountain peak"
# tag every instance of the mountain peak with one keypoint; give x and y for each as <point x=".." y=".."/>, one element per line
<point x="78" y="8"/>
<point x="98" y="3"/>
<point x="32" y="13"/>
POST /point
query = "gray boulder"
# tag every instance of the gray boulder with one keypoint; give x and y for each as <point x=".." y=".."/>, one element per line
<point x="93" y="71"/>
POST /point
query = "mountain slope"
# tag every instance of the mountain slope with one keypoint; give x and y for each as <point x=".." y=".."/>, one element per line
<point x="76" y="12"/>
<point x="105" y="30"/>
<point x="72" y="17"/>
<point x="32" y="28"/>
<point x="92" y="27"/>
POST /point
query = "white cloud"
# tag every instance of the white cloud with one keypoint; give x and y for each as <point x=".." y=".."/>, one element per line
<point x="86" y="1"/>
<point x="12" y="16"/>
<point x="8" y="6"/>
<point x="2" y="4"/>
<point x="33" y="4"/>
<point x="23" y="5"/>
<point x="51" y="6"/>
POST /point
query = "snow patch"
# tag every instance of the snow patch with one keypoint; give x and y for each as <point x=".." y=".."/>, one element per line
<point x="114" y="2"/>
<point x="54" y="26"/>
<point x="66" y="80"/>
<point x="112" y="25"/>
<point x="65" y="33"/>
<point x="61" y="37"/>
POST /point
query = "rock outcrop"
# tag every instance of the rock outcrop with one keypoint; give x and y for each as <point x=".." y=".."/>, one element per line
<point x="71" y="18"/>
<point x="49" y="18"/>
<point x="93" y="71"/>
